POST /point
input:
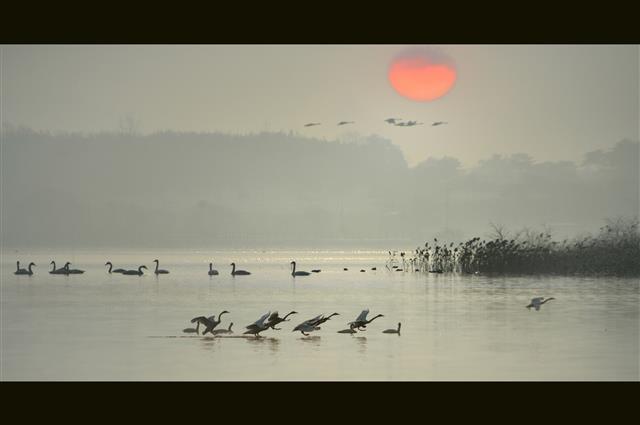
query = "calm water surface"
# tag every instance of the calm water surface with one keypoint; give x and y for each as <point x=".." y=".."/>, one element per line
<point x="98" y="326"/>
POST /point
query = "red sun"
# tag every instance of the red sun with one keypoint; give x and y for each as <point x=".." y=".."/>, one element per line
<point x="418" y="78"/>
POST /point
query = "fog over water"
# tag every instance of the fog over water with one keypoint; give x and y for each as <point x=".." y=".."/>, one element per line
<point x="279" y="189"/>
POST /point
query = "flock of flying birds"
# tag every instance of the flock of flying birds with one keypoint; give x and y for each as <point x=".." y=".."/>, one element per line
<point x="271" y="320"/>
<point x="392" y="121"/>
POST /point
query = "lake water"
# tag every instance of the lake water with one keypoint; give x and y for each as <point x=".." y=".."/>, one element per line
<point x="97" y="326"/>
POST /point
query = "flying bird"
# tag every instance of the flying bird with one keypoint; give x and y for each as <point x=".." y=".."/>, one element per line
<point x="209" y="322"/>
<point x="361" y="321"/>
<point x="258" y="326"/>
<point x="274" y="319"/>
<point x="311" y="124"/>
<point x="537" y="302"/>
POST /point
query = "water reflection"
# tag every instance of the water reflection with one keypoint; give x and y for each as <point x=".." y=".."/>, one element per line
<point x="362" y="343"/>
<point x="272" y="343"/>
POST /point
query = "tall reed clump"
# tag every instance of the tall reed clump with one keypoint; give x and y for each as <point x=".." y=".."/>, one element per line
<point x="614" y="250"/>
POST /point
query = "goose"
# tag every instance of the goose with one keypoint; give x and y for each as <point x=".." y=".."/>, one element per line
<point x="274" y="319"/>
<point x="316" y="271"/>
<point x="438" y="123"/>
<point x="57" y="271"/>
<point x="108" y="263"/>
<point x="193" y="330"/>
<point x="135" y="272"/>
<point x="235" y="272"/>
<point x="361" y="321"/>
<point x="537" y="302"/>
<point x="346" y="122"/>
<point x="348" y="331"/>
<point x="392" y="120"/>
<point x="159" y="271"/>
<point x="71" y="271"/>
<point x="299" y="273"/>
<point x="212" y="272"/>
<point x="258" y="326"/>
<point x="311" y="124"/>
<point x="392" y="331"/>
<point x="209" y="322"/>
<point x="26" y="271"/>
<point x="224" y="331"/>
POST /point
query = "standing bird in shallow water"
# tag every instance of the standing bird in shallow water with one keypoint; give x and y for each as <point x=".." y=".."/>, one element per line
<point x="361" y="321"/>
<point x="212" y="272"/>
<point x="299" y="273"/>
<point x="26" y="271"/>
<point x="274" y="319"/>
<point x="392" y="331"/>
<point x="193" y="330"/>
<point x="108" y="263"/>
<point x="537" y="302"/>
<point x="258" y="326"/>
<point x="209" y="322"/>
<point x="135" y="272"/>
<point x="224" y="331"/>
<point x="159" y="271"/>
<point x="235" y="272"/>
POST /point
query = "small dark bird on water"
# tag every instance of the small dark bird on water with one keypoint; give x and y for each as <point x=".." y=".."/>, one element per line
<point x="311" y="124"/>
<point x="345" y="269"/>
<point x="346" y="122"/>
<point x="438" y="123"/>
<point x="316" y="271"/>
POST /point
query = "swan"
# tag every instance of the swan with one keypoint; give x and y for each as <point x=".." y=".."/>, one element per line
<point x="361" y="321"/>
<point x="313" y="324"/>
<point x="316" y="271"/>
<point x="212" y="272"/>
<point x="275" y="320"/>
<point x="224" y="331"/>
<point x="193" y="330"/>
<point x="537" y="302"/>
<point x="135" y="272"/>
<point x="159" y="271"/>
<point x="26" y="271"/>
<point x="392" y="331"/>
<point x="258" y="326"/>
<point x="300" y="273"/>
<point x="209" y="322"/>
<point x="235" y="272"/>
<point x="71" y="271"/>
<point x="57" y="271"/>
<point x="108" y="263"/>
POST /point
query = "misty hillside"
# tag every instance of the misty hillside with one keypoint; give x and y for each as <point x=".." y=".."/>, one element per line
<point x="187" y="189"/>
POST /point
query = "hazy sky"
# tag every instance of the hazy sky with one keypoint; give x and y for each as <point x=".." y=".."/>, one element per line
<point x="553" y="102"/>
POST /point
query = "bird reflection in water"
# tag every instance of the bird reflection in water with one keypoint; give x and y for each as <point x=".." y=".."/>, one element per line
<point x="272" y="343"/>
<point x="362" y="343"/>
